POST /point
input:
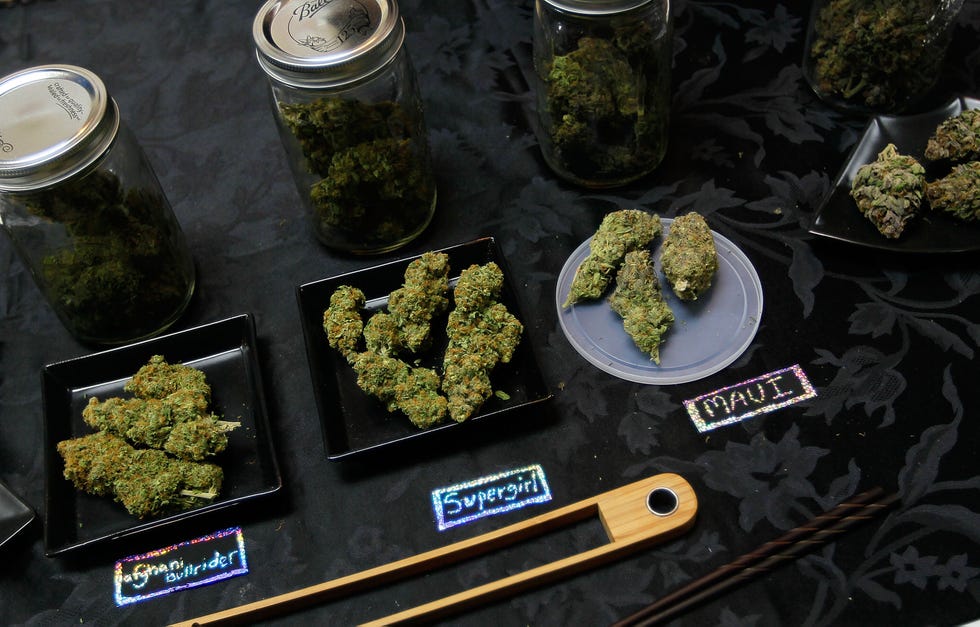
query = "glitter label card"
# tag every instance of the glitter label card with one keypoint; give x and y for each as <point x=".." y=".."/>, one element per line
<point x="197" y="562"/>
<point x="753" y="397"/>
<point x="486" y="496"/>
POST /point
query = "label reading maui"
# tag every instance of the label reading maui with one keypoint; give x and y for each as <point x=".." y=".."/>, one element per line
<point x="487" y="496"/>
<point x="197" y="562"/>
<point x="753" y="397"/>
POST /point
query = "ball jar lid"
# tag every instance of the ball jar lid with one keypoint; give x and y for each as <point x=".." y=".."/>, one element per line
<point x="326" y="43"/>
<point x="595" y="7"/>
<point x="55" y="120"/>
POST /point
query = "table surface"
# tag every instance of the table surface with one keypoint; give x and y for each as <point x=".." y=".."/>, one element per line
<point x="888" y="340"/>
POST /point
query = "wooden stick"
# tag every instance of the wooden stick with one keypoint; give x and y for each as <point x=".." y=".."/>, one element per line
<point x="819" y="530"/>
<point x="624" y="512"/>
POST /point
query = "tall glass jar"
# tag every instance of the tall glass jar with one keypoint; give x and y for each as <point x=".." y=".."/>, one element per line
<point x="602" y="81"/>
<point x="877" y="56"/>
<point x="84" y="209"/>
<point x="347" y="104"/>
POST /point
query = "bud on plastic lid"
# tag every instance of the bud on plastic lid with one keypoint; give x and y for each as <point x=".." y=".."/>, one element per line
<point x="326" y="43"/>
<point x="55" y="120"/>
<point x="596" y="7"/>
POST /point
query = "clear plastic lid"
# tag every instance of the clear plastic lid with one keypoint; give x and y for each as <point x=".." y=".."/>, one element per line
<point x="325" y="43"/>
<point x="55" y="120"/>
<point x="707" y="335"/>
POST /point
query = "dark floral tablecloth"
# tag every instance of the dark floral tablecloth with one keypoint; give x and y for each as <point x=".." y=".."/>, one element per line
<point x="888" y="340"/>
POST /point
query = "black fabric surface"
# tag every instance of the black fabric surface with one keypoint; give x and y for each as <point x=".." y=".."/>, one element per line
<point x="888" y="340"/>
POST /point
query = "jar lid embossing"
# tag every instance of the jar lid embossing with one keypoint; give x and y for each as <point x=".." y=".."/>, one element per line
<point x="55" y="120"/>
<point x="326" y="43"/>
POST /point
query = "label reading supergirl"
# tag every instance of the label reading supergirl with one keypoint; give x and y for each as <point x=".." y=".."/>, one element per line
<point x="193" y="563"/>
<point x="486" y="496"/>
<point x="753" y="397"/>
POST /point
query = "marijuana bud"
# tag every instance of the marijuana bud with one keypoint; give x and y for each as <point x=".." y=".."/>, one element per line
<point x="688" y="256"/>
<point x="342" y="320"/>
<point x="147" y="482"/>
<point x="411" y="308"/>
<point x="956" y="138"/>
<point x="482" y="333"/>
<point x="412" y="390"/>
<point x="958" y="193"/>
<point x="605" y="104"/>
<point x="877" y="54"/>
<point x="619" y="233"/>
<point x="639" y="300"/>
<point x="374" y="183"/>
<point x="889" y="190"/>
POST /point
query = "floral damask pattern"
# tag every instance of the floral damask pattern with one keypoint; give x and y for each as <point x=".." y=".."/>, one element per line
<point x="889" y="341"/>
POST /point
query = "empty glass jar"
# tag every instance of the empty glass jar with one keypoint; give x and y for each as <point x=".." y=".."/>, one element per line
<point x="348" y="109"/>
<point x="602" y="81"/>
<point x="84" y="209"/>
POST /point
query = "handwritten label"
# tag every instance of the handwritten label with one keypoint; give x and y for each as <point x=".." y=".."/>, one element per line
<point x="753" y="397"/>
<point x="496" y="494"/>
<point x="196" y="562"/>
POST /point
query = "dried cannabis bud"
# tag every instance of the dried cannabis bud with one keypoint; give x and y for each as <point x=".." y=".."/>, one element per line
<point x="375" y="184"/>
<point x="619" y="233"/>
<point x="185" y="432"/>
<point x="958" y="193"/>
<point x="877" y="53"/>
<point x="342" y="320"/>
<point x="170" y="412"/>
<point x="956" y="138"/>
<point x="146" y="481"/>
<point x="414" y="391"/>
<point x="688" y="256"/>
<point x="120" y="273"/>
<point x="411" y="308"/>
<point x="640" y="302"/>
<point x="482" y="333"/>
<point x="159" y="379"/>
<point x="607" y="105"/>
<point x="889" y="190"/>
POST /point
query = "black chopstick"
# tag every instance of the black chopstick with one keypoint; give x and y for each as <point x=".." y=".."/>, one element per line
<point x="818" y="530"/>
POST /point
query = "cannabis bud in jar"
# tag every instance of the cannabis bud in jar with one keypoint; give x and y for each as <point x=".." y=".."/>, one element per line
<point x="85" y="211"/>
<point x="877" y="55"/>
<point x="603" y="87"/>
<point x="350" y="116"/>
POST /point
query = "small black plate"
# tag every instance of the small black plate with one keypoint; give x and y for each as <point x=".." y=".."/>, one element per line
<point x="226" y="352"/>
<point x="354" y="422"/>
<point x="15" y="515"/>
<point x="932" y="231"/>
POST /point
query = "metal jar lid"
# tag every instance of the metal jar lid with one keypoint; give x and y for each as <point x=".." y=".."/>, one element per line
<point x="55" y="120"/>
<point x="595" y="7"/>
<point x="326" y="43"/>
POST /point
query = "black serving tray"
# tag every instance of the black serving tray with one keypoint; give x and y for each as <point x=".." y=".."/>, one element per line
<point x="354" y="423"/>
<point x="226" y="351"/>
<point x="931" y="231"/>
<point x="15" y="515"/>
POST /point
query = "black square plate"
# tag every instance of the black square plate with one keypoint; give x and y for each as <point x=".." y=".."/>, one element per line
<point x="932" y="231"/>
<point x="15" y="515"/>
<point x="355" y="423"/>
<point x="226" y="352"/>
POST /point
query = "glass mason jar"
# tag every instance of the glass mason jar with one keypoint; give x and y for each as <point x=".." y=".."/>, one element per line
<point x="347" y="104"/>
<point x="602" y="83"/>
<point x="877" y="56"/>
<point x="84" y="209"/>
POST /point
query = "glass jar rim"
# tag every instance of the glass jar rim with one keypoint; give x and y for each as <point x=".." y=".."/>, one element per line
<point x="596" y="7"/>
